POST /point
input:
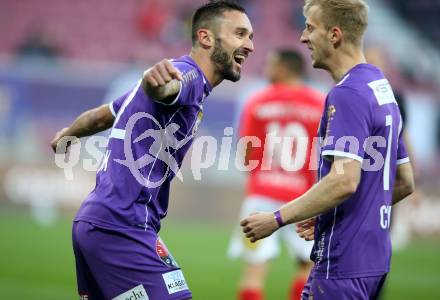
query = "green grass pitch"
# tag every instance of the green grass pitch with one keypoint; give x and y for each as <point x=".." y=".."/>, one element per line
<point x="36" y="262"/>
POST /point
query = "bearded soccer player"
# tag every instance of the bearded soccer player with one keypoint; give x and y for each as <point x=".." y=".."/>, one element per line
<point x="119" y="254"/>
<point x="286" y="113"/>
<point x="364" y="168"/>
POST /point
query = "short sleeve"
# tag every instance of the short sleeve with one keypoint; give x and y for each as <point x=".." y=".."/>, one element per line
<point x="115" y="105"/>
<point x="191" y="87"/>
<point x="348" y="118"/>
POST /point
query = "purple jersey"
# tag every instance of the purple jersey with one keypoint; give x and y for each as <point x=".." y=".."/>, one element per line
<point x="361" y="121"/>
<point x="146" y="148"/>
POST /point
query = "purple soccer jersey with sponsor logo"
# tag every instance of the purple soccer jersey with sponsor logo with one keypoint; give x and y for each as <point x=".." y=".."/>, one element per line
<point x="361" y="121"/>
<point x="146" y="147"/>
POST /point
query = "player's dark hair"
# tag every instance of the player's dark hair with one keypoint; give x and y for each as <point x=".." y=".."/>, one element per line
<point x="292" y="59"/>
<point x="206" y="14"/>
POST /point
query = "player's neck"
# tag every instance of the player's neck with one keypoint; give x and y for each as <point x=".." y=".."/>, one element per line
<point x="344" y="61"/>
<point x="203" y="61"/>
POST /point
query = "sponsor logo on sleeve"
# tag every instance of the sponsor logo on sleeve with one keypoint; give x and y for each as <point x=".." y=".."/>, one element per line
<point x="136" y="293"/>
<point x="190" y="76"/>
<point x="382" y="91"/>
<point x="175" y="282"/>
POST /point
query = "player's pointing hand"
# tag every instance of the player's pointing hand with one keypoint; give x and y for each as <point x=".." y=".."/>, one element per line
<point x="259" y="225"/>
<point x="57" y="138"/>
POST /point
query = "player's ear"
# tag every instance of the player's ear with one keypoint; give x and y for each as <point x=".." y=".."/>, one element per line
<point x="205" y="38"/>
<point x="335" y="35"/>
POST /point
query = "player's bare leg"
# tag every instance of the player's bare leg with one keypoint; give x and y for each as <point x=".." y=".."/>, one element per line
<point x="252" y="281"/>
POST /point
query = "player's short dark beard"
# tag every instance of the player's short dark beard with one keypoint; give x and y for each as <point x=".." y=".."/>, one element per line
<point x="223" y="62"/>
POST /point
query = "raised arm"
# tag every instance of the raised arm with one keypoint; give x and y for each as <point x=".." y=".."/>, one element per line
<point x="88" y="123"/>
<point x="162" y="81"/>
<point x="404" y="184"/>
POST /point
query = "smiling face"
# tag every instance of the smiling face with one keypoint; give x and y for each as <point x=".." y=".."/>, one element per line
<point x="317" y="38"/>
<point x="233" y="44"/>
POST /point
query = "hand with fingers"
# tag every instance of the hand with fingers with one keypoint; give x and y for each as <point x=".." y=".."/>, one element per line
<point x="58" y="136"/>
<point x="162" y="80"/>
<point x="306" y="229"/>
<point x="259" y="225"/>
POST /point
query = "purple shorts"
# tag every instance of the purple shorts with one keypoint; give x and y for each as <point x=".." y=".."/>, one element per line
<point x="362" y="288"/>
<point x="126" y="263"/>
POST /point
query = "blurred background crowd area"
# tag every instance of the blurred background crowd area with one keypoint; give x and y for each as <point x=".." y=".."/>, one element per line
<point x="59" y="58"/>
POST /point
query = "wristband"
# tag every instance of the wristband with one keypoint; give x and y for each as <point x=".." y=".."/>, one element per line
<point x="277" y="216"/>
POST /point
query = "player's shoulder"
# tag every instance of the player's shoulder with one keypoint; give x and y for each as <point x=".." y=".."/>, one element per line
<point x="190" y="71"/>
<point x="359" y="78"/>
<point x="349" y="99"/>
<point x="184" y="60"/>
<point x="357" y="84"/>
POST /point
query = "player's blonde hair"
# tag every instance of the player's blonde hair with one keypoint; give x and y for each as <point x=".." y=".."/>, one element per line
<point x="349" y="15"/>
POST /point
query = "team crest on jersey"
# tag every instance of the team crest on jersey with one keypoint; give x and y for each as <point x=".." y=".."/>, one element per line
<point x="164" y="254"/>
<point x="199" y="119"/>
<point x="331" y="111"/>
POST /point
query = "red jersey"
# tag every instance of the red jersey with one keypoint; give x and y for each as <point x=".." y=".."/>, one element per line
<point x="285" y="119"/>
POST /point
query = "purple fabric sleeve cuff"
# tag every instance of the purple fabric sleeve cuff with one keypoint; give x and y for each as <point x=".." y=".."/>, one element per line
<point x="278" y="218"/>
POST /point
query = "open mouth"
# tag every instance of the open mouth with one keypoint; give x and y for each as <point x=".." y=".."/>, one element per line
<point x="239" y="59"/>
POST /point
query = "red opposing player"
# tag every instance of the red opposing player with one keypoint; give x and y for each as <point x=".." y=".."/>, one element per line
<point x="285" y="118"/>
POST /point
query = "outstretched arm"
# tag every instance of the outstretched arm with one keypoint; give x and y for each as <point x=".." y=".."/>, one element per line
<point x="88" y="123"/>
<point x="162" y="81"/>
